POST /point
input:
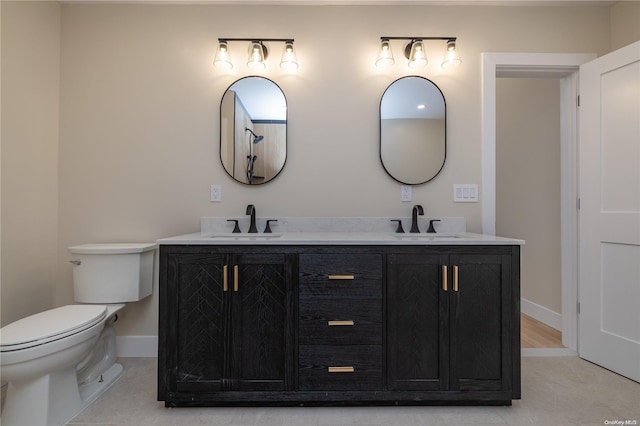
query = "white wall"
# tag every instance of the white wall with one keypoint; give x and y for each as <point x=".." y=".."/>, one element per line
<point x="30" y="114"/>
<point x="139" y="108"/>
<point x="528" y="181"/>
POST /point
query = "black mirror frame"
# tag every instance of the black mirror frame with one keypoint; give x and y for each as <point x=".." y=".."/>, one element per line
<point x="444" y="159"/>
<point x="286" y="139"/>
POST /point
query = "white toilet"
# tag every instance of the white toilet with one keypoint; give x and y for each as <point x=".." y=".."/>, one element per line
<point x="59" y="361"/>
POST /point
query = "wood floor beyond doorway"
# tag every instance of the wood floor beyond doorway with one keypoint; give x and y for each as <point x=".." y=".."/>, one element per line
<point x="535" y="334"/>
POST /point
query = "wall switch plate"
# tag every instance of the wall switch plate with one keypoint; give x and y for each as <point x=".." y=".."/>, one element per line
<point x="405" y="193"/>
<point x="465" y="193"/>
<point x="216" y="193"/>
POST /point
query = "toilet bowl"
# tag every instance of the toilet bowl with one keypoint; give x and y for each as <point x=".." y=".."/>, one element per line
<point x="59" y="361"/>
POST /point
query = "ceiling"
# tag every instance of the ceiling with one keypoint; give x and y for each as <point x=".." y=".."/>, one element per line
<point x="368" y="2"/>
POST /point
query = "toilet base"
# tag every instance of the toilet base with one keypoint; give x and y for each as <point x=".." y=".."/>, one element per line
<point x="89" y="392"/>
<point x="60" y="398"/>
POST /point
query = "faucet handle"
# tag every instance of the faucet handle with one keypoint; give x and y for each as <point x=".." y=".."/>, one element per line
<point x="431" y="229"/>
<point x="399" y="229"/>
<point x="236" y="228"/>
<point x="267" y="229"/>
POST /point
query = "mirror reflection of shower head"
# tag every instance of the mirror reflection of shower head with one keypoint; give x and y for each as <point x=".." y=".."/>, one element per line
<point x="256" y="138"/>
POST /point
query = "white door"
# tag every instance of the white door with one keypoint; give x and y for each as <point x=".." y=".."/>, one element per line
<point x="609" y="258"/>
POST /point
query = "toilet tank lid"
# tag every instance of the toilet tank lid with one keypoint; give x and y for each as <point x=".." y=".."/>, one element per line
<point x="111" y="248"/>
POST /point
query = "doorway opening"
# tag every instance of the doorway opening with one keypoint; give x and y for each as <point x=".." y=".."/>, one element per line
<point x="540" y="65"/>
<point x="528" y="140"/>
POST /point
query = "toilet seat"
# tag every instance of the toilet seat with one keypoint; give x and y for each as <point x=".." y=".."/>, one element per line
<point x="49" y="326"/>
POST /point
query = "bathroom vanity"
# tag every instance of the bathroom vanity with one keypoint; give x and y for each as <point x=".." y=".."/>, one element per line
<point x="339" y="318"/>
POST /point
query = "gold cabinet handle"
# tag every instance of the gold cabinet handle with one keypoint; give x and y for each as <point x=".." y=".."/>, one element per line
<point x="235" y="278"/>
<point x="225" y="279"/>
<point x="444" y="277"/>
<point x="333" y="323"/>
<point x="341" y="277"/>
<point x="348" y="369"/>
<point x="455" y="278"/>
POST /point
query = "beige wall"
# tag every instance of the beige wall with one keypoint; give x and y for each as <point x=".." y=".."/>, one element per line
<point x="30" y="115"/>
<point x="625" y="23"/>
<point x="528" y="181"/>
<point x="139" y="107"/>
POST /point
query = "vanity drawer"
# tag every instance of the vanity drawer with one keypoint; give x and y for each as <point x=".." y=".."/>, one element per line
<point x="347" y="367"/>
<point x="341" y="321"/>
<point x="345" y="275"/>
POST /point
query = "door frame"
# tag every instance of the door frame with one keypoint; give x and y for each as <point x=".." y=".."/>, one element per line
<point x="564" y="66"/>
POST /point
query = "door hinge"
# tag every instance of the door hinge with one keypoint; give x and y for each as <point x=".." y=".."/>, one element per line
<point x="578" y="101"/>
<point x="578" y="203"/>
<point x="578" y="308"/>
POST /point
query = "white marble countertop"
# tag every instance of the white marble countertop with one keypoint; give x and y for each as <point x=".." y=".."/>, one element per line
<point x="336" y="231"/>
<point x="337" y="238"/>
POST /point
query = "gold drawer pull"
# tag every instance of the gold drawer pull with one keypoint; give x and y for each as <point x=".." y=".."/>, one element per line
<point x="341" y="369"/>
<point x="225" y="273"/>
<point x="340" y="322"/>
<point x="455" y="278"/>
<point x="444" y="277"/>
<point x="341" y="277"/>
<point x="235" y="278"/>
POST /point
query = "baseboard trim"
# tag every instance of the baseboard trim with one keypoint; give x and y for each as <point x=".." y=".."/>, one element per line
<point x="542" y="314"/>
<point x="137" y="346"/>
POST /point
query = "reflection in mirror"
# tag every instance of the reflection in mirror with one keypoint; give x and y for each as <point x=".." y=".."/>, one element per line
<point x="253" y="130"/>
<point x="413" y="130"/>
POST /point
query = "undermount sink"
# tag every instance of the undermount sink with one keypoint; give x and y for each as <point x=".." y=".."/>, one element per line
<point x="231" y="235"/>
<point x="426" y="236"/>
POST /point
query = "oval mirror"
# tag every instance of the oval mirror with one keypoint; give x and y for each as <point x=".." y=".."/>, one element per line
<point x="253" y="130"/>
<point x="413" y="122"/>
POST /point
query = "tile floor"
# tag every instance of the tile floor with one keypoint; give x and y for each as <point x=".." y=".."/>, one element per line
<point x="556" y="391"/>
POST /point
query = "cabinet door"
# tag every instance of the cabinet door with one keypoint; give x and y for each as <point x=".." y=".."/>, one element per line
<point x="417" y="339"/>
<point x="262" y="322"/>
<point x="197" y="320"/>
<point x="480" y="322"/>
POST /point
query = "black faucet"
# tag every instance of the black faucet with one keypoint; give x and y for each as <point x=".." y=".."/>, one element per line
<point x="417" y="210"/>
<point x="431" y="229"/>
<point x="252" y="211"/>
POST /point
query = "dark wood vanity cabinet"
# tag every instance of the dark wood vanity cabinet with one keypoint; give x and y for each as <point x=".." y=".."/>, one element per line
<point x="347" y="325"/>
<point x="226" y="322"/>
<point x="452" y="323"/>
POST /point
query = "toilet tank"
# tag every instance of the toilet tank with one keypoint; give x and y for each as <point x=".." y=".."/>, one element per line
<point x="112" y="273"/>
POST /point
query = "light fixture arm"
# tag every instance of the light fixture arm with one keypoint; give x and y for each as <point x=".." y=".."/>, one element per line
<point x="283" y="40"/>
<point x="417" y="38"/>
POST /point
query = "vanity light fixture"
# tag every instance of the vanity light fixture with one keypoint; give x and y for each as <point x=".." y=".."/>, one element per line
<point x="415" y="51"/>
<point x="223" y="59"/>
<point x="385" y="57"/>
<point x="289" y="60"/>
<point x="417" y="56"/>
<point x="258" y="53"/>
<point x="451" y="57"/>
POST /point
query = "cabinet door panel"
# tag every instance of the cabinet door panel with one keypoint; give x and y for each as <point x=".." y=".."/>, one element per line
<point x="201" y="326"/>
<point x="417" y="338"/>
<point x="480" y="349"/>
<point x="262" y="323"/>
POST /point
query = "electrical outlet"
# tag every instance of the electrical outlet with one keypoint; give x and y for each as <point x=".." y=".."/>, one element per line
<point x="405" y="193"/>
<point x="216" y="193"/>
